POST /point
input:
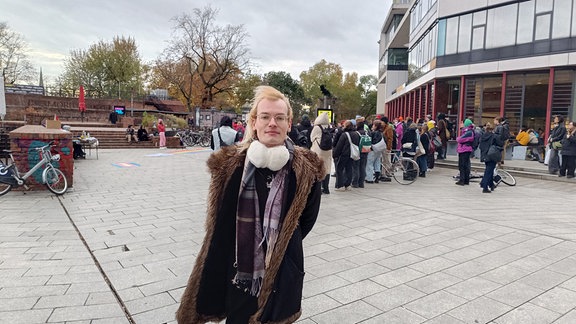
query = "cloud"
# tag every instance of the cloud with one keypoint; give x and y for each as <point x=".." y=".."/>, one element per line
<point x="286" y="36"/>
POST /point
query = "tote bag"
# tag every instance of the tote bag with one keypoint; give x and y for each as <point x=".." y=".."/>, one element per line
<point x="354" y="149"/>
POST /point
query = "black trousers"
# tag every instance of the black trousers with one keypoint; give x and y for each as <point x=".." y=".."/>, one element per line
<point x="568" y="165"/>
<point x="488" y="177"/>
<point x="359" y="170"/>
<point x="464" y="166"/>
<point x="344" y="172"/>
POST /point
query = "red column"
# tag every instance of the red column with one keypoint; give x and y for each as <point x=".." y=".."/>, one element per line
<point x="434" y="112"/>
<point x="426" y="100"/>
<point x="461" y="100"/>
<point x="549" y="103"/>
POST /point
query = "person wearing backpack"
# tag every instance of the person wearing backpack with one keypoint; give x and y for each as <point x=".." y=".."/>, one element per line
<point x="435" y="142"/>
<point x="373" y="165"/>
<point x="365" y="144"/>
<point x="389" y="135"/>
<point x="464" y="150"/>
<point x="341" y="153"/>
<point x="321" y="138"/>
<point x="224" y="135"/>
<point x="305" y="129"/>
<point x="422" y="160"/>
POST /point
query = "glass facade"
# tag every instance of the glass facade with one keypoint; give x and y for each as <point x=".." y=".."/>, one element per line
<point x="419" y="10"/>
<point x="421" y="54"/>
<point x="509" y="25"/>
<point x="482" y="98"/>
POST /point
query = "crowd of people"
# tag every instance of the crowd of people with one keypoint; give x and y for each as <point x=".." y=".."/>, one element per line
<point x="375" y="140"/>
<point x="266" y="188"/>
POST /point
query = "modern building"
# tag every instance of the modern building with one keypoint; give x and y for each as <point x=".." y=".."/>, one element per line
<point x="479" y="59"/>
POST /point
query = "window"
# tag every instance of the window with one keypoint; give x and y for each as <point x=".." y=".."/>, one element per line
<point x="480" y="18"/>
<point x="561" y="18"/>
<point x="574" y="22"/>
<point x="451" y="35"/>
<point x="542" y="27"/>
<point x="525" y="22"/>
<point x="478" y="38"/>
<point x="501" y="26"/>
<point x="543" y="6"/>
<point x="464" y="33"/>
<point x="441" y="37"/>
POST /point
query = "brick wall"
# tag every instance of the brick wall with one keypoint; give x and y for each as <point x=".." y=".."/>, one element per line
<point x="22" y="143"/>
<point x="34" y="108"/>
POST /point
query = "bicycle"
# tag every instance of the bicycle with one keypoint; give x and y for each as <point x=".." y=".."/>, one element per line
<point x="501" y="175"/>
<point x="52" y="177"/>
<point x="201" y="138"/>
<point x="404" y="170"/>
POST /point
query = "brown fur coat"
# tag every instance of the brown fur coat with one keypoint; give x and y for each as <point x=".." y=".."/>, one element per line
<point x="222" y="164"/>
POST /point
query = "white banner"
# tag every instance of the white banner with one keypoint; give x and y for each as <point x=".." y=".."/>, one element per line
<point x="2" y="98"/>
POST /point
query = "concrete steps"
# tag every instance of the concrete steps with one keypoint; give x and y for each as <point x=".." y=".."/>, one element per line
<point x="110" y="137"/>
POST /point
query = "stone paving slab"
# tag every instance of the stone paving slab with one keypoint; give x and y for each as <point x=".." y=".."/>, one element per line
<point x="430" y="252"/>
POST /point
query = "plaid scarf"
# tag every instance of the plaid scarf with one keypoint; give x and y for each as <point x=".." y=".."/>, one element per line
<point x="251" y="234"/>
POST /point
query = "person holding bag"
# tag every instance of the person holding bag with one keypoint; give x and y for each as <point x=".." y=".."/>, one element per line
<point x="558" y="133"/>
<point x="409" y="145"/>
<point x="464" y="150"/>
<point x="342" y="153"/>
<point x="373" y="164"/>
<point x="486" y="145"/>
<point x="568" y="152"/>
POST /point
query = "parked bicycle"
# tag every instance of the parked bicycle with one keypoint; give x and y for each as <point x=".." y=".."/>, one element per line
<point x="52" y="177"/>
<point x="191" y="138"/>
<point x="404" y="170"/>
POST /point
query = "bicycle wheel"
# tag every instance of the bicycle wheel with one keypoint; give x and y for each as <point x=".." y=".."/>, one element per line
<point x="55" y="180"/>
<point x="4" y="188"/>
<point x="506" y="177"/>
<point x="205" y="141"/>
<point x="405" y="171"/>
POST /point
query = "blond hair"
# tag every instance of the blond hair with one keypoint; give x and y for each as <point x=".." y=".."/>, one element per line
<point x="261" y="93"/>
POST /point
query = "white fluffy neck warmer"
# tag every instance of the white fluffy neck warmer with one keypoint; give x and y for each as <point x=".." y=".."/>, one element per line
<point x="273" y="158"/>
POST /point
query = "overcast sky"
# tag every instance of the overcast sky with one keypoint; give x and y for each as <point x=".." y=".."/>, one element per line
<point x="285" y="35"/>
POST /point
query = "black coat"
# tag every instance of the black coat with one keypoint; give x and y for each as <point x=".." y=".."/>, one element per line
<point x="342" y="149"/>
<point x="485" y="142"/>
<point x="569" y="145"/>
<point x="558" y="134"/>
<point x="280" y="298"/>
<point x="425" y="140"/>
<point x="410" y="137"/>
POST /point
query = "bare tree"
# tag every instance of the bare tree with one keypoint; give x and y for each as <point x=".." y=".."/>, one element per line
<point x="14" y="63"/>
<point x="215" y="56"/>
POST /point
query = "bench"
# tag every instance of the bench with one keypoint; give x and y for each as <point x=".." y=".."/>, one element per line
<point x="526" y="152"/>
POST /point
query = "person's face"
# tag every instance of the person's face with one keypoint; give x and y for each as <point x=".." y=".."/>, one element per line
<point x="271" y="124"/>
<point x="555" y="120"/>
<point x="571" y="126"/>
<point x="496" y="122"/>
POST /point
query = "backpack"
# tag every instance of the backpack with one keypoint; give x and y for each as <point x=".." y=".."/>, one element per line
<point x="435" y="139"/>
<point x="302" y="139"/>
<point x="325" y="143"/>
<point x="354" y="149"/>
<point x="365" y="143"/>
<point x="477" y="135"/>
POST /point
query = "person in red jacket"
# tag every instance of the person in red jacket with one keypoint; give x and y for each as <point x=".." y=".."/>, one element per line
<point x="162" y="133"/>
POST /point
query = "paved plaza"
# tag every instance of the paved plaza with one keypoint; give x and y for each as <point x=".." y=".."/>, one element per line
<point x="120" y="246"/>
